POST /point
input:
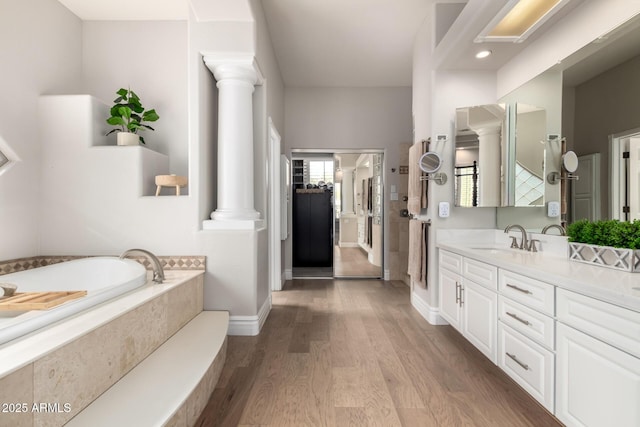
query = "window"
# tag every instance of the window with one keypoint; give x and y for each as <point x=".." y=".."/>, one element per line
<point x="7" y="156"/>
<point x="3" y="159"/>
<point x="320" y="170"/>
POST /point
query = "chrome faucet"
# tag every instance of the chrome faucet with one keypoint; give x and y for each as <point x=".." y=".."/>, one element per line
<point x="524" y="245"/>
<point x="9" y="289"/>
<point x="559" y="227"/>
<point x="158" y="272"/>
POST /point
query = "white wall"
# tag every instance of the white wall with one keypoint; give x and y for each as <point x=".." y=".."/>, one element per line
<point x="273" y="91"/>
<point x="41" y="51"/>
<point x="350" y="118"/>
<point x="150" y="57"/>
<point x="436" y="95"/>
<point x="97" y="199"/>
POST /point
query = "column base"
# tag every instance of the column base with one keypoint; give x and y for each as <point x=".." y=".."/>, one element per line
<point x="235" y="214"/>
<point x="233" y="224"/>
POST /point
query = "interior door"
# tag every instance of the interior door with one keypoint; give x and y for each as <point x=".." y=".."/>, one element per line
<point x="634" y="178"/>
<point x="585" y="194"/>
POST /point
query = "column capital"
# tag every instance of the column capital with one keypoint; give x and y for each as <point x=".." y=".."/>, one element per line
<point x="488" y="130"/>
<point x="231" y="65"/>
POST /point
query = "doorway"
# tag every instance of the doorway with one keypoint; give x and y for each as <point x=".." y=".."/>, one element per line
<point x="624" y="152"/>
<point x="337" y="214"/>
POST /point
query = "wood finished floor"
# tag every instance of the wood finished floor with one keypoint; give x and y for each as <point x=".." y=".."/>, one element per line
<point x="355" y="353"/>
<point x="353" y="262"/>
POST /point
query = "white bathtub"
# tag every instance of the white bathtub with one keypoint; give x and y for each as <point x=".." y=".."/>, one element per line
<point x="102" y="277"/>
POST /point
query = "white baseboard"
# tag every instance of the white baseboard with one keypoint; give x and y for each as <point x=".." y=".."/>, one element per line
<point x="288" y="274"/>
<point x="283" y="278"/>
<point x="387" y="275"/>
<point x="431" y="314"/>
<point x="249" y="325"/>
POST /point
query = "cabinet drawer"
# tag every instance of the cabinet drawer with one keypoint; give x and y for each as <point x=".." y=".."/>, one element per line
<point x="451" y="261"/>
<point x="481" y="273"/>
<point x="528" y="363"/>
<point x="530" y="292"/>
<point x="530" y="323"/>
<point x="612" y="324"/>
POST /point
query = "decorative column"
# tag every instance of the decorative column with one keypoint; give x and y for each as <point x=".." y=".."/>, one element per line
<point x="237" y="76"/>
<point x="489" y="164"/>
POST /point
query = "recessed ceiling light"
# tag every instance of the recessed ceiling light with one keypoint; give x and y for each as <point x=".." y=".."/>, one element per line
<point x="483" y="54"/>
<point x="519" y="19"/>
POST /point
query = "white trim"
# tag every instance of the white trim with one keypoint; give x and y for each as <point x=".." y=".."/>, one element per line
<point x="616" y="182"/>
<point x="617" y="172"/>
<point x="288" y="274"/>
<point x="430" y="314"/>
<point x="283" y="278"/>
<point x="275" y="208"/>
<point x="250" y="325"/>
<point x="387" y="275"/>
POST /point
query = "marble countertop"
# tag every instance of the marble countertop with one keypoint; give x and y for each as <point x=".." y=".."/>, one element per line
<point x="605" y="284"/>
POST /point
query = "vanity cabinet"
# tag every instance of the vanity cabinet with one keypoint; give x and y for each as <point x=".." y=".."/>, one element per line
<point x="450" y="304"/>
<point x="578" y="356"/>
<point x="598" y="363"/>
<point x="526" y="334"/>
<point x="468" y="300"/>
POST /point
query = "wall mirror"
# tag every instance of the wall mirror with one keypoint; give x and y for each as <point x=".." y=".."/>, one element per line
<point x="601" y="85"/>
<point x="430" y="162"/>
<point x="500" y="155"/>
<point x="570" y="161"/>
<point x="480" y="146"/>
<point x="591" y="100"/>
<point x="526" y="170"/>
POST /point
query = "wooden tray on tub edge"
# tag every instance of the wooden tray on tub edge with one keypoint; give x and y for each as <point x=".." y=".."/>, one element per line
<point x="38" y="300"/>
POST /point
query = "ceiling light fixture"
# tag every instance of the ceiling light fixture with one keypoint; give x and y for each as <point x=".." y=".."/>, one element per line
<point x="519" y="19"/>
<point x="483" y="54"/>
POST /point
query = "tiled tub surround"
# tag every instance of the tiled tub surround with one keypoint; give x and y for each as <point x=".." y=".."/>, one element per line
<point x="177" y="262"/>
<point x="102" y="278"/>
<point x="74" y="361"/>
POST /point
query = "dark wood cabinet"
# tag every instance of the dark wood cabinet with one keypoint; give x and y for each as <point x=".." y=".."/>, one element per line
<point x="312" y="228"/>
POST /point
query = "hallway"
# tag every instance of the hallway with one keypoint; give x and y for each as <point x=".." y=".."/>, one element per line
<point x="355" y="353"/>
<point x="353" y="262"/>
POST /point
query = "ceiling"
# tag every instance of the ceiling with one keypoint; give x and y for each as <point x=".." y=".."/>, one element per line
<point x="128" y="10"/>
<point x="345" y="42"/>
<point x="360" y="43"/>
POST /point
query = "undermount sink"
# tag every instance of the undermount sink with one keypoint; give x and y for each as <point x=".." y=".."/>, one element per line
<point x="493" y="250"/>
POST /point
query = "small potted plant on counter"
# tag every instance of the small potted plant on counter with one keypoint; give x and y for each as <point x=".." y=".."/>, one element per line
<point x="129" y="116"/>
<point x="607" y="243"/>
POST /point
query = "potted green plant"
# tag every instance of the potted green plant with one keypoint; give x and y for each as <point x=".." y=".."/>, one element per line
<point x="608" y="243"/>
<point x="129" y="116"/>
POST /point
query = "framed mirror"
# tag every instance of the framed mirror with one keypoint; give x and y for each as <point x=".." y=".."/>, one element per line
<point x="430" y="162"/>
<point x="570" y="161"/>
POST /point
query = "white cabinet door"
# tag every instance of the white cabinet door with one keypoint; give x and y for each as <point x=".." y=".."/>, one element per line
<point x="480" y="308"/>
<point x="597" y="384"/>
<point x="450" y="293"/>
